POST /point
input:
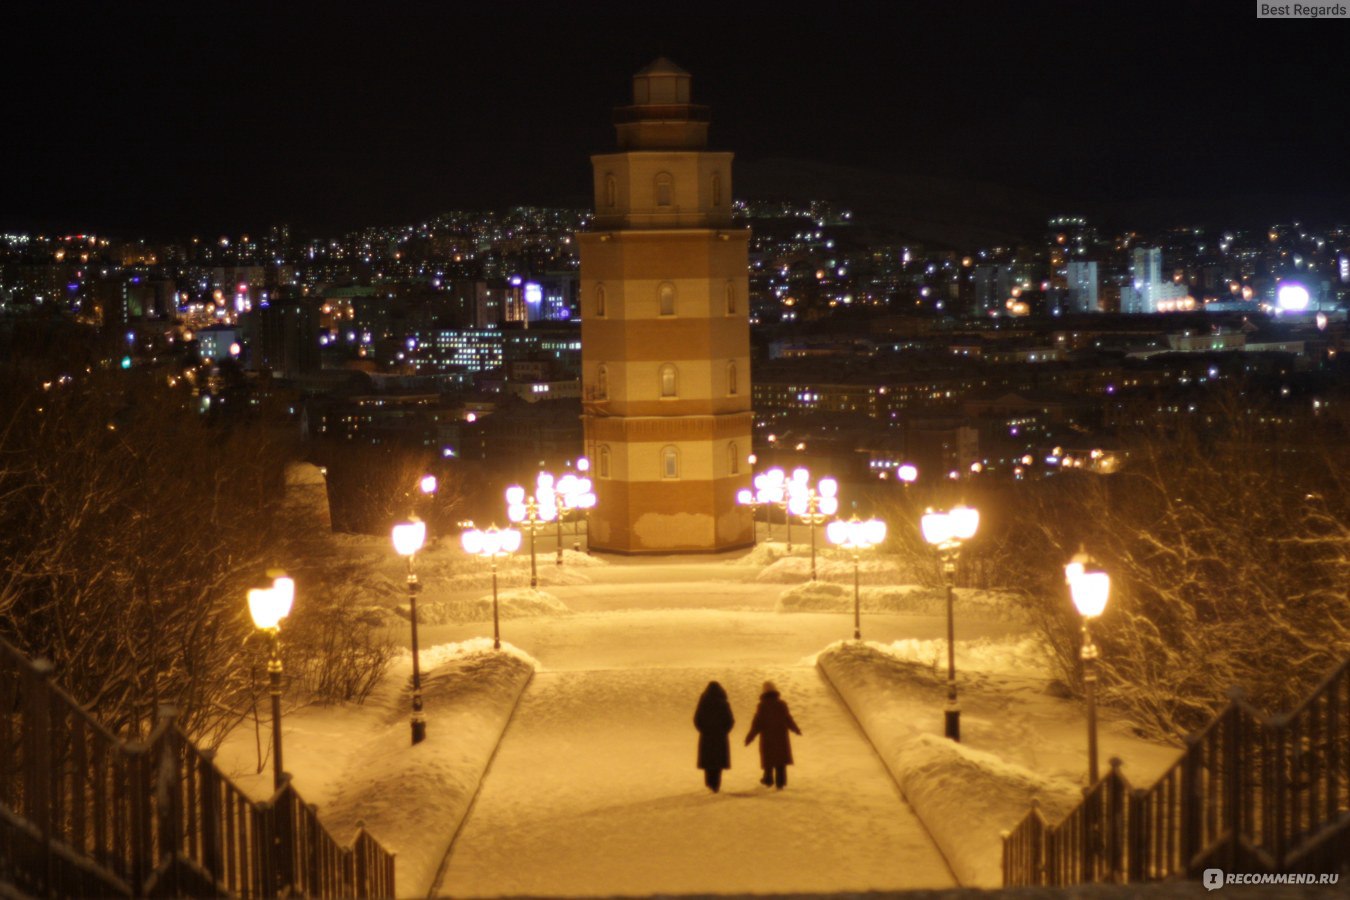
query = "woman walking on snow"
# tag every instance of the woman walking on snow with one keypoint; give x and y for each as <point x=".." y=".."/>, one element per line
<point x="714" y="721"/>
<point x="772" y="723"/>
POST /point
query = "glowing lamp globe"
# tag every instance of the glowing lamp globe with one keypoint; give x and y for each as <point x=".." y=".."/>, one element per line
<point x="837" y="532"/>
<point x="515" y="494"/>
<point x="583" y="464"/>
<point x="907" y="473"/>
<point x="874" y="531"/>
<point x="829" y="505"/>
<point x="409" y="537"/>
<point x="797" y="504"/>
<point x="828" y="487"/>
<point x="428" y="484"/>
<point x="937" y="527"/>
<point x="744" y="497"/>
<point x="1090" y="589"/>
<point x="268" y="607"/>
<point x="284" y="588"/>
<point x="965" y="522"/>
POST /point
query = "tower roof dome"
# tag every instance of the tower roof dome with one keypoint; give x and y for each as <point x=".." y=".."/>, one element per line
<point x="662" y="66"/>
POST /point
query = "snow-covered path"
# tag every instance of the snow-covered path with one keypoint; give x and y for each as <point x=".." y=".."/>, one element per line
<point x="594" y="792"/>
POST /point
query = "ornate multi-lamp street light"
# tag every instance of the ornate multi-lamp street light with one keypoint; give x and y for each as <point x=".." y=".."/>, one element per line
<point x="408" y="538"/>
<point x="492" y="544"/>
<point x="856" y="536"/>
<point x="946" y="531"/>
<point x="572" y="492"/>
<point x="813" y="505"/>
<point x="268" y="606"/>
<point x="770" y="489"/>
<point x="1090" y="588"/>
<point x="531" y="512"/>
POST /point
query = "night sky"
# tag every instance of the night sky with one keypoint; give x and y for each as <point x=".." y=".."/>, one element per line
<point x="222" y="117"/>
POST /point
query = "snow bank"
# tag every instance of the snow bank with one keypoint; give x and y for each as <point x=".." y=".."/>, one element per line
<point x="913" y="599"/>
<point x="965" y="797"/>
<point x="791" y="569"/>
<point x="1027" y="656"/>
<point x="515" y="603"/>
<point x="357" y="761"/>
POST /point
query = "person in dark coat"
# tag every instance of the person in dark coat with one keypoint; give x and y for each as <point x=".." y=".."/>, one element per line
<point x="772" y="723"/>
<point x="714" y="721"/>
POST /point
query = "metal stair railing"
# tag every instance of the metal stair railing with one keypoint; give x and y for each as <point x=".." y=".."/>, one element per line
<point x="1250" y="792"/>
<point x="83" y="813"/>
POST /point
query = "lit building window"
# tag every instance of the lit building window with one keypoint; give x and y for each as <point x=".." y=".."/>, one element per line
<point x="670" y="462"/>
<point x="734" y="458"/>
<point x="669" y="381"/>
<point x="600" y="300"/>
<point x="733" y="386"/>
<point x="665" y="294"/>
<point x="604" y="461"/>
<point x="731" y="298"/>
<point x="611" y="191"/>
<point x="602" y="383"/>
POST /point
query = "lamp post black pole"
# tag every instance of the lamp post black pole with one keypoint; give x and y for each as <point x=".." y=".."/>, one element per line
<point x="811" y="524"/>
<point x="953" y="712"/>
<point x="534" y="575"/>
<point x="274" y="688"/>
<point x="562" y="511"/>
<point x="419" y="723"/>
<point x="496" y="632"/>
<point x="1090" y="689"/>
<point x="857" y="604"/>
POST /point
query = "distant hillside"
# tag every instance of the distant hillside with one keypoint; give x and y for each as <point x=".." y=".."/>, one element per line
<point x="937" y="211"/>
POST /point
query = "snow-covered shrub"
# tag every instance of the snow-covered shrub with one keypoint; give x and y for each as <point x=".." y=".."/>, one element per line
<point x="1229" y="552"/>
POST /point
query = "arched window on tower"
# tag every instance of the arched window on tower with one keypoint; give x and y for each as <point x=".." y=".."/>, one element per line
<point x="733" y="459"/>
<point x="665" y="295"/>
<point x="731" y="297"/>
<point x="611" y="192"/>
<point x="733" y="384"/>
<point x="604" y="461"/>
<point x="600" y="300"/>
<point x="669" y="381"/>
<point x="717" y="189"/>
<point x="665" y="189"/>
<point x="602" y="383"/>
<point x="670" y="462"/>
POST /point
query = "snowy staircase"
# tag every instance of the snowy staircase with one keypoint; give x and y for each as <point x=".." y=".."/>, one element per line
<point x="1250" y="793"/>
<point x="84" y="814"/>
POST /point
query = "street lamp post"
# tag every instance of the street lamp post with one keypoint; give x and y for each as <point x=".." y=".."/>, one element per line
<point x="572" y="493"/>
<point x="946" y="531"/>
<point x="532" y="513"/>
<point x="491" y="545"/>
<point x="408" y="539"/>
<point x="856" y="536"/>
<point x="814" y="505"/>
<point x="268" y="606"/>
<point x="1090" y="588"/>
<point x="770" y="490"/>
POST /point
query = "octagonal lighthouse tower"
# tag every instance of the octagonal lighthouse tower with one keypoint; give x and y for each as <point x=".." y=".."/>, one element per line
<point x="665" y="335"/>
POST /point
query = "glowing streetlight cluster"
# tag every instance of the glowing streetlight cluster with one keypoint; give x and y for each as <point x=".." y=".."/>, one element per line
<point x="268" y="606"/>
<point x="409" y="537"/>
<point x="532" y="512"/>
<point x="813" y="505"/>
<point x="1090" y="588"/>
<point x="946" y="531"/>
<point x="492" y="544"/>
<point x="855" y="536"/>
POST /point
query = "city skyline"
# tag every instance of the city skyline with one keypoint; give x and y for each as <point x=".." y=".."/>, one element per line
<point x="184" y="122"/>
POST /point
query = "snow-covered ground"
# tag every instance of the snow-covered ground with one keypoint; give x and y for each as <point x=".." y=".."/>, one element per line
<point x="593" y="789"/>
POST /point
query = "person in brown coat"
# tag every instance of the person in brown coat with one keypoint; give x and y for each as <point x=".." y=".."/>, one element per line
<point x="772" y="723"/>
<point x="714" y="722"/>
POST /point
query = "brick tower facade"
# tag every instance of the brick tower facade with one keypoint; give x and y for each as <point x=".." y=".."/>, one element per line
<point x="665" y="332"/>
